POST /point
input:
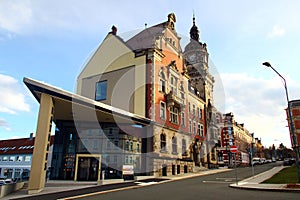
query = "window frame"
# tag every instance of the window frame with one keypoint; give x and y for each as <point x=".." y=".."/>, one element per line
<point x="174" y="145"/>
<point x="183" y="147"/>
<point x="99" y="97"/>
<point x="182" y="118"/>
<point x="163" y="142"/>
<point x="164" y="110"/>
<point x="173" y="115"/>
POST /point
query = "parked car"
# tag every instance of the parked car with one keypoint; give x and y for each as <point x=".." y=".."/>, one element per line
<point x="2" y="182"/>
<point x="8" y="181"/>
<point x="262" y="160"/>
<point x="256" y="161"/>
<point x="268" y="160"/>
<point x="289" y="161"/>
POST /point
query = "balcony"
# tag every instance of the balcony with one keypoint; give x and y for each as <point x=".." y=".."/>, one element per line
<point x="173" y="100"/>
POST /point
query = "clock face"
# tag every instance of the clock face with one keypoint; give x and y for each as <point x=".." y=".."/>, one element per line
<point x="192" y="57"/>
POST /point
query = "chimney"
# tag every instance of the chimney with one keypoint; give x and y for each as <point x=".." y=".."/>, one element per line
<point x="31" y="136"/>
<point x="114" y="30"/>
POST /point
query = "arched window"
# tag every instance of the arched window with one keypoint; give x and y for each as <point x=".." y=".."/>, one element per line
<point x="163" y="142"/>
<point x="174" y="144"/>
<point x="131" y="146"/>
<point x="184" y="147"/>
<point x="127" y="145"/>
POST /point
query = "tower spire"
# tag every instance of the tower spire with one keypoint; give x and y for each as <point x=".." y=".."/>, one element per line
<point x="193" y="18"/>
<point x="194" y="32"/>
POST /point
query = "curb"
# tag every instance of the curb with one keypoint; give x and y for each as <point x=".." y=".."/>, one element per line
<point x="265" y="189"/>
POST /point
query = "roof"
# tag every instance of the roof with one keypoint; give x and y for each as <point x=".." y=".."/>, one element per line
<point x="145" y="39"/>
<point x="73" y="107"/>
<point x="18" y="146"/>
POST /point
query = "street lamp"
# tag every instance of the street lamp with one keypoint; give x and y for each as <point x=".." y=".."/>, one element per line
<point x="295" y="146"/>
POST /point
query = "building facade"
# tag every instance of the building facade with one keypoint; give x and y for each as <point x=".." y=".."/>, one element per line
<point x="149" y="75"/>
<point x="16" y="157"/>
<point x="295" y="110"/>
<point x="235" y="134"/>
<point x="142" y="103"/>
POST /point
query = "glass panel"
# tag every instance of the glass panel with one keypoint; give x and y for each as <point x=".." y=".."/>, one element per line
<point x="101" y="89"/>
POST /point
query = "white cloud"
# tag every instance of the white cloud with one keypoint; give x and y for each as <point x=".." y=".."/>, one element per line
<point x="4" y="124"/>
<point x="277" y="31"/>
<point x="260" y="104"/>
<point x="12" y="96"/>
<point x="15" y="15"/>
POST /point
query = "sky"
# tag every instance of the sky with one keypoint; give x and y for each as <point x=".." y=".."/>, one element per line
<point x="51" y="40"/>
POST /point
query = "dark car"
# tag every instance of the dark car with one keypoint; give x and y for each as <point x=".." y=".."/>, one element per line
<point x="289" y="161"/>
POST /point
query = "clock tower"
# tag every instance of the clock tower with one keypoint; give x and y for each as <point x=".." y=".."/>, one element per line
<point x="196" y="59"/>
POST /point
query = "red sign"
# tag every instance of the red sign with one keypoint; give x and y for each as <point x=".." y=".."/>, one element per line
<point x="233" y="149"/>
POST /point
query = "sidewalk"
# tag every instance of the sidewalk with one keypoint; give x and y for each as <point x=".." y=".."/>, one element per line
<point x="255" y="182"/>
<point x="55" y="186"/>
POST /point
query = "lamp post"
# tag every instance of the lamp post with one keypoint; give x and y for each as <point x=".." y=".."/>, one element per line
<point x="295" y="146"/>
<point x="252" y="152"/>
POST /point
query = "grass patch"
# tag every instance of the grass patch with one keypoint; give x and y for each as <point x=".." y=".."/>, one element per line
<point x="287" y="175"/>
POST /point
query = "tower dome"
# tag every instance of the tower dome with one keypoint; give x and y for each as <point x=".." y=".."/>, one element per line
<point x="194" y="32"/>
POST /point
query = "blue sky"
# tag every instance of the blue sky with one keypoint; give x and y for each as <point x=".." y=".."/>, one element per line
<point x="50" y="40"/>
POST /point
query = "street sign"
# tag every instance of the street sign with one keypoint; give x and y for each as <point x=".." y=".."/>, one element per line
<point x="233" y="149"/>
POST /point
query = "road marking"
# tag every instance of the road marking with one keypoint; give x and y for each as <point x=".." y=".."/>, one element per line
<point x="101" y="192"/>
<point x="225" y="178"/>
<point x="146" y="183"/>
<point x="217" y="182"/>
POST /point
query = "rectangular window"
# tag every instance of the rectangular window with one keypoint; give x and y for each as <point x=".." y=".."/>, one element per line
<point x="190" y="126"/>
<point x="195" y="127"/>
<point x="107" y="159"/>
<point x="162" y="85"/>
<point x="27" y="158"/>
<point x="173" y="85"/>
<point x="202" y="131"/>
<point x="182" y="95"/>
<point x="162" y="110"/>
<point x="12" y="158"/>
<point x="95" y="144"/>
<point x="194" y="109"/>
<point x="199" y="129"/>
<point x="200" y="113"/>
<point x="101" y="90"/>
<point x="182" y="119"/>
<point x="174" y="115"/>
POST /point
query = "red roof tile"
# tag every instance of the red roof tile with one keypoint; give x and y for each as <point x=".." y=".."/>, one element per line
<point x="18" y="146"/>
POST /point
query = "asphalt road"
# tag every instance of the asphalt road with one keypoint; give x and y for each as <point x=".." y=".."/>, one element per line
<point x="215" y="186"/>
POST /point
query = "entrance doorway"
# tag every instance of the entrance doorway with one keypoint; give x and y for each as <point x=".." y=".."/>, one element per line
<point x="88" y="167"/>
<point x="164" y="170"/>
<point x="178" y="169"/>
